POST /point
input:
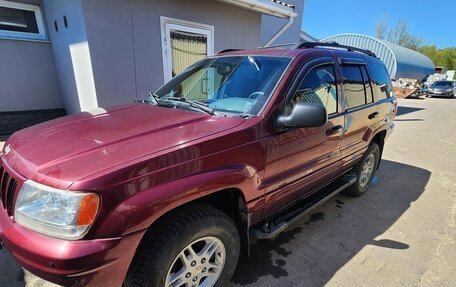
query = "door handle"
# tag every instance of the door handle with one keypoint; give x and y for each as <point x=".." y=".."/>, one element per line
<point x="373" y="115"/>
<point x="334" y="130"/>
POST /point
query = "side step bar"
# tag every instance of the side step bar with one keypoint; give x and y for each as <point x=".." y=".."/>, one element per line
<point x="286" y="218"/>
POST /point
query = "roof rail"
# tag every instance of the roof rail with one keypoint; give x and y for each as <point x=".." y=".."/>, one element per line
<point x="304" y="45"/>
<point x="228" y="50"/>
<point x="260" y="48"/>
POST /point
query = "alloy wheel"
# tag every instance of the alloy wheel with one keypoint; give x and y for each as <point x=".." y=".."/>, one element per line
<point x="367" y="170"/>
<point x="199" y="264"/>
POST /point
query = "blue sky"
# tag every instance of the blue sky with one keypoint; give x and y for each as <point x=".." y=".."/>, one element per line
<point x="435" y="23"/>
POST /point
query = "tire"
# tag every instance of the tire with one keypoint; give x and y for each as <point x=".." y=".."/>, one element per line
<point x="362" y="184"/>
<point x="157" y="257"/>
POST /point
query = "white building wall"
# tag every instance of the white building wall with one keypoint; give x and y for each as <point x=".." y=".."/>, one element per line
<point x="72" y="54"/>
<point x="120" y="32"/>
<point x="28" y="77"/>
<point x="270" y="25"/>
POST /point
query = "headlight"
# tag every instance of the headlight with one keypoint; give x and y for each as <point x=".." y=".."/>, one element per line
<point x="449" y="90"/>
<point x="54" y="212"/>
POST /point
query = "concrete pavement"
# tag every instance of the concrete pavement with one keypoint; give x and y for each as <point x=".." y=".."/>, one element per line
<point x="401" y="233"/>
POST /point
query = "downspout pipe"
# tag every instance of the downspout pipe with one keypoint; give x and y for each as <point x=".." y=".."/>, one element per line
<point x="280" y="32"/>
<point x="275" y="8"/>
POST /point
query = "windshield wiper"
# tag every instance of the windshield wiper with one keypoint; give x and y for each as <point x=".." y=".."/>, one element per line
<point x="244" y="116"/>
<point x="193" y="104"/>
<point x="152" y="99"/>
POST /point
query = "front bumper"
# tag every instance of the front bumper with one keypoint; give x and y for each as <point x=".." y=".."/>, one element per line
<point x="440" y="93"/>
<point x="100" y="262"/>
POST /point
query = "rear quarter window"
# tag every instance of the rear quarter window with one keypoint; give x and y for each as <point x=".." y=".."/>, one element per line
<point x="382" y="81"/>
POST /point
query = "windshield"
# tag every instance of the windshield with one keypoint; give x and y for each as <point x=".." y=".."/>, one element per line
<point x="236" y="85"/>
<point x="442" y="83"/>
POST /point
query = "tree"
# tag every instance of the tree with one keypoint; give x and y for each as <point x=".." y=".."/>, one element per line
<point x="441" y="57"/>
<point x="448" y="61"/>
<point x="381" y="29"/>
<point x="399" y="34"/>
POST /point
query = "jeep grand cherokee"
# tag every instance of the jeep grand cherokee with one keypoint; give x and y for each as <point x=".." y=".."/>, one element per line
<point x="168" y="191"/>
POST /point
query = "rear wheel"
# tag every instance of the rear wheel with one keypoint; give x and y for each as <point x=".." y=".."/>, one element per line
<point x="198" y="246"/>
<point x="364" y="171"/>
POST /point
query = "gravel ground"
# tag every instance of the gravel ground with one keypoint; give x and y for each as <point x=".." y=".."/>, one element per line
<point x="401" y="233"/>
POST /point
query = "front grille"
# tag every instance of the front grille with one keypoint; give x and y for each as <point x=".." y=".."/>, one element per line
<point x="8" y="187"/>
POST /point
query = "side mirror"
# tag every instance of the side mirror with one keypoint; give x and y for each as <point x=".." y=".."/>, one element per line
<point x="304" y="115"/>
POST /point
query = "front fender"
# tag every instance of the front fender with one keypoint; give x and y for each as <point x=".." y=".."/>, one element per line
<point x="142" y="209"/>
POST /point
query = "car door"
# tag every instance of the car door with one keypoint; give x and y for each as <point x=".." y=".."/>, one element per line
<point x="301" y="159"/>
<point x="361" y="111"/>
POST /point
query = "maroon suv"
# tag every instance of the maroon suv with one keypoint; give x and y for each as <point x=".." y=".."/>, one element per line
<point x="168" y="191"/>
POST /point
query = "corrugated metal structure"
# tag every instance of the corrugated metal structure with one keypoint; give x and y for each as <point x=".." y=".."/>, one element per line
<point x="400" y="62"/>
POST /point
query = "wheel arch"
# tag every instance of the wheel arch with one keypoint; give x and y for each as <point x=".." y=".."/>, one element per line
<point x="230" y="201"/>
<point x="379" y="139"/>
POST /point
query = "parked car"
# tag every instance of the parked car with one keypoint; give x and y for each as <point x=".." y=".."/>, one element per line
<point x="169" y="191"/>
<point x="442" y="88"/>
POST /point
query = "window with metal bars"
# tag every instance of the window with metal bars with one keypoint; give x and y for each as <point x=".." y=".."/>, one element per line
<point x="18" y="20"/>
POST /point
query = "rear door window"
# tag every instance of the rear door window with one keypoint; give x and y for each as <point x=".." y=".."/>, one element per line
<point x="355" y="93"/>
<point x="382" y="82"/>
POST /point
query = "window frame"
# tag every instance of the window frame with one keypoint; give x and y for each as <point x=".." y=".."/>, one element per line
<point x="302" y="73"/>
<point x="41" y="35"/>
<point x="335" y="83"/>
<point x="166" y="25"/>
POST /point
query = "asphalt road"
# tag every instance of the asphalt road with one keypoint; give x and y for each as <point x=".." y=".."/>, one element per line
<point x="401" y="233"/>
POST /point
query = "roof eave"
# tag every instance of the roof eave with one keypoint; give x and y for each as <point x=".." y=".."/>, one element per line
<point x="272" y="8"/>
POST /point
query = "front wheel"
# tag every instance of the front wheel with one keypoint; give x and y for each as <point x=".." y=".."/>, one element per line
<point x="364" y="171"/>
<point x="199" y="246"/>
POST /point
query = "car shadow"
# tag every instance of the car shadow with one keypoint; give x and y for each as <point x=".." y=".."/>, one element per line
<point x="402" y="110"/>
<point x="315" y="248"/>
<point x="415" y="97"/>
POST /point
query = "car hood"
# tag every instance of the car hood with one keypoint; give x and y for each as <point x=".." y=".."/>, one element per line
<point x="71" y="148"/>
